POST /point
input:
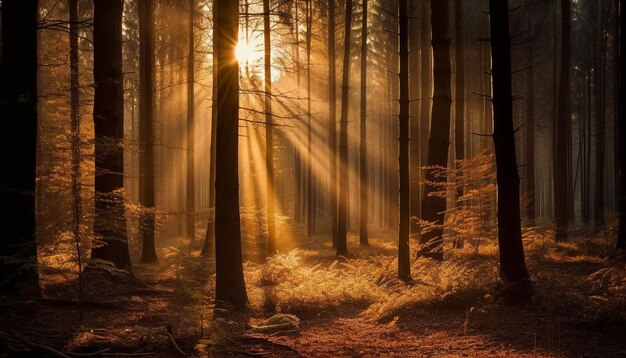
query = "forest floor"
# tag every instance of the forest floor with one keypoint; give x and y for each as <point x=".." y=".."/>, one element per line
<point x="351" y="307"/>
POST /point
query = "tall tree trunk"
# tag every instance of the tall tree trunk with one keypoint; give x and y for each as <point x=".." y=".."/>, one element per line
<point x="621" y="135"/>
<point x="229" y="282"/>
<point x="208" y="247"/>
<point x="108" y="114"/>
<point x="425" y="93"/>
<point x="530" y="119"/>
<point x="18" y="247"/>
<point x="76" y="146"/>
<point x="332" y="119"/>
<point x="404" y="264"/>
<point x="342" y="207"/>
<point x="414" y="119"/>
<point x="297" y="200"/>
<point x="191" y="112"/>
<point x="598" y="210"/>
<point x="433" y="207"/>
<point x="513" y="270"/>
<point x="310" y="185"/>
<point x="363" y="235"/>
<point x="269" y="135"/>
<point x="146" y="131"/>
<point x="459" y="109"/>
<point x="561" y="197"/>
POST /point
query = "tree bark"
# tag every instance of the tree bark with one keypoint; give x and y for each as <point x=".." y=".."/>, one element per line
<point x="459" y="109"/>
<point x="191" y="112"/>
<point x="404" y="264"/>
<point x="108" y="113"/>
<point x="414" y="119"/>
<point x="561" y="197"/>
<point x="621" y="135"/>
<point x="146" y="131"/>
<point x="18" y="108"/>
<point x="342" y="206"/>
<point x="363" y="234"/>
<point x="433" y="207"/>
<point x="513" y="270"/>
<point x="332" y="119"/>
<point x="600" y="128"/>
<point x="269" y="134"/>
<point x="530" y="119"/>
<point x="229" y="282"/>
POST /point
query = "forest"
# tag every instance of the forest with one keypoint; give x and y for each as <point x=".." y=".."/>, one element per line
<point x="312" y="178"/>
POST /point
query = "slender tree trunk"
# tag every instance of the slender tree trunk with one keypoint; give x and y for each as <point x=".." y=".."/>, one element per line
<point x="229" y="283"/>
<point x="363" y="235"/>
<point x="433" y="207"/>
<point x="600" y="119"/>
<point x="414" y="119"/>
<point x="459" y="52"/>
<point x="332" y="119"/>
<point x="310" y="185"/>
<point x="404" y="264"/>
<point x="208" y="247"/>
<point x="342" y="209"/>
<point x="269" y="135"/>
<point x="425" y="94"/>
<point x="530" y="119"/>
<point x="191" y="112"/>
<point x="621" y="135"/>
<point x="76" y="147"/>
<point x="513" y="270"/>
<point x="18" y="108"/>
<point x="146" y="131"/>
<point x="459" y="125"/>
<point x="297" y="200"/>
<point x="108" y="113"/>
<point x="561" y="197"/>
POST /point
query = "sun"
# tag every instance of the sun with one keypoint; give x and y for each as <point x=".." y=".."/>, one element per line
<point x="248" y="51"/>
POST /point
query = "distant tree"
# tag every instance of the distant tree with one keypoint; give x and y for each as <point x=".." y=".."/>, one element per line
<point x="433" y="207"/>
<point x="229" y="283"/>
<point x="599" y="48"/>
<point x="363" y="220"/>
<point x="561" y="197"/>
<point x="342" y="213"/>
<point x="530" y="117"/>
<point x="108" y="114"/>
<point x="146" y="129"/>
<point x="621" y="135"/>
<point x="191" y="112"/>
<point x="310" y="186"/>
<point x="269" y="133"/>
<point x="208" y="247"/>
<point x="404" y="264"/>
<point x="459" y="90"/>
<point x="18" y="109"/>
<point x="513" y="270"/>
<point x="332" y="119"/>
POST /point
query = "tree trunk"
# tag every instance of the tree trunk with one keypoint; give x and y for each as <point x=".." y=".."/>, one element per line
<point x="512" y="262"/>
<point x="459" y="109"/>
<point x="229" y="283"/>
<point x="600" y="128"/>
<point x="433" y="207"/>
<point x="425" y="94"/>
<point x="18" y="247"/>
<point x="208" y="247"/>
<point x="342" y="207"/>
<point x="191" y="110"/>
<point x="269" y="139"/>
<point x="530" y="119"/>
<point x="108" y="114"/>
<point x="621" y="135"/>
<point x="332" y="119"/>
<point x="363" y="235"/>
<point x="561" y="197"/>
<point x="310" y="197"/>
<point x="404" y="264"/>
<point x="146" y="132"/>
<point x="414" y="119"/>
